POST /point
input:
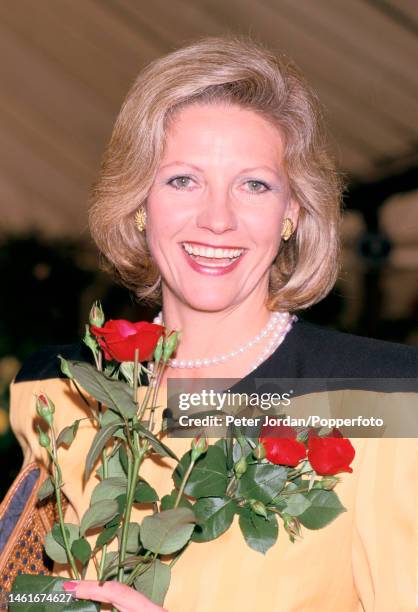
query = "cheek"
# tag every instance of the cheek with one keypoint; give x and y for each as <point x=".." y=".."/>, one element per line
<point x="165" y="215"/>
<point x="265" y="230"/>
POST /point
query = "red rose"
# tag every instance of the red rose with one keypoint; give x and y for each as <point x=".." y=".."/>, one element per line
<point x="330" y="455"/>
<point x="281" y="445"/>
<point x="120" y="338"/>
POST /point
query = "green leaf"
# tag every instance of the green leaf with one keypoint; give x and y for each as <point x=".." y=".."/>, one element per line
<point x="133" y="543"/>
<point x="81" y="550"/>
<point x="225" y="444"/>
<point x="54" y="542"/>
<point x="114" y="394"/>
<point x="167" y="531"/>
<point x="98" y="514"/>
<point x="121" y="501"/>
<point x="68" y="434"/>
<point x="154" y="582"/>
<point x="109" y="488"/>
<point x="325" y="507"/>
<point x="168" y="501"/>
<point x="296" y="503"/>
<point x="214" y="515"/>
<point x="46" y="489"/>
<point x="109" y="417"/>
<point x="106" y="536"/>
<point x="262" y="481"/>
<point x="144" y="493"/>
<point x="208" y="477"/>
<point x="123" y="459"/>
<point x="71" y="530"/>
<point x="156" y="444"/>
<point x="259" y="533"/>
<point x="99" y="442"/>
<point x="26" y="583"/>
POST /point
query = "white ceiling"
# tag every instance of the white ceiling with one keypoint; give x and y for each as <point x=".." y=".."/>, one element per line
<point x="65" y="67"/>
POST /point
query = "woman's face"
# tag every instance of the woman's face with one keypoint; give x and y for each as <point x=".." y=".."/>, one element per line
<point x="216" y="207"/>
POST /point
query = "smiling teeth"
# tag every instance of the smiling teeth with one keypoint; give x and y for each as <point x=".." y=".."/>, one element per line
<point x="212" y="252"/>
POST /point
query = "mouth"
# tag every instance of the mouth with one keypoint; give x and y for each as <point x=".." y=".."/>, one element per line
<point x="211" y="259"/>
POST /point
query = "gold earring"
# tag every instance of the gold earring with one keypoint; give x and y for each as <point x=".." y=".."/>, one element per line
<point x="287" y="230"/>
<point x="141" y="219"/>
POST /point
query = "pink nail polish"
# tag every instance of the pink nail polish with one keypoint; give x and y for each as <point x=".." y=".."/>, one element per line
<point x="70" y="586"/>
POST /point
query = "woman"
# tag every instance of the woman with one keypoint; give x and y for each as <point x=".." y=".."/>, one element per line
<point x="218" y="199"/>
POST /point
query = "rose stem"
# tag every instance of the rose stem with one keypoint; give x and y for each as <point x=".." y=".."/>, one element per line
<point x="183" y="482"/>
<point x="132" y="480"/>
<point x="57" y="486"/>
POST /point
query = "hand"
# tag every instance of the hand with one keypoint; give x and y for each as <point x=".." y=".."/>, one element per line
<point x="119" y="595"/>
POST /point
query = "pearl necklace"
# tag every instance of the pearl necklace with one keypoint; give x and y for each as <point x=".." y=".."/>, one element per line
<point x="278" y="326"/>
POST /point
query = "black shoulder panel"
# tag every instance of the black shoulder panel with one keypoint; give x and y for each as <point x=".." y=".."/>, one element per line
<point x="340" y="354"/>
<point x="44" y="363"/>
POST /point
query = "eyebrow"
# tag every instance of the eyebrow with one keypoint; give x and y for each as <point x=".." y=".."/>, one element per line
<point x="245" y="170"/>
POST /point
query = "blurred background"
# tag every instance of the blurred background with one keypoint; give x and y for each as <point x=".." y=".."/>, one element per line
<point x="65" y="68"/>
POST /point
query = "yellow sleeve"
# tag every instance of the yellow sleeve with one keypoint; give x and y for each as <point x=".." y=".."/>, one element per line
<point x="384" y="549"/>
<point x="69" y="406"/>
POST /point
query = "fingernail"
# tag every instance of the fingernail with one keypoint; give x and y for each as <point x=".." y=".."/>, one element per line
<point x="70" y="586"/>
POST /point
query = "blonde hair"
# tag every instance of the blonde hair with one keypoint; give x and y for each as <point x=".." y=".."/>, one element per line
<point x="234" y="71"/>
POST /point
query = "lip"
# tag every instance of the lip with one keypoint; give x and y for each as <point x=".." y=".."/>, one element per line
<point x="213" y="246"/>
<point x="209" y="270"/>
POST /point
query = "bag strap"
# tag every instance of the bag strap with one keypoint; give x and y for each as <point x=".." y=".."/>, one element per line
<point x="24" y="522"/>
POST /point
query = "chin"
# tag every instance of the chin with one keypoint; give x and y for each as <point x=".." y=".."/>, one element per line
<point x="207" y="301"/>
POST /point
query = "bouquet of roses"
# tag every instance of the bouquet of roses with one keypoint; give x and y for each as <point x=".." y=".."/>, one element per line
<point x="281" y="474"/>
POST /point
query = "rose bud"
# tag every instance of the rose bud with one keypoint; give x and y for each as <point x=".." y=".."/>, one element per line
<point x="258" y="507"/>
<point x="240" y="467"/>
<point x="159" y="350"/>
<point x="259" y="452"/>
<point x="44" y="440"/>
<point x="170" y="345"/>
<point x="45" y="408"/>
<point x="64" y="367"/>
<point x="96" y="316"/>
<point x="199" y="446"/>
<point x="292" y="526"/>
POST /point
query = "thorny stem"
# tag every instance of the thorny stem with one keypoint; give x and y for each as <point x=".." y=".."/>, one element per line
<point x="100" y="570"/>
<point x="57" y="487"/>
<point x="125" y="526"/>
<point x="160" y="373"/>
<point x="138" y="453"/>
<point x="183" y="483"/>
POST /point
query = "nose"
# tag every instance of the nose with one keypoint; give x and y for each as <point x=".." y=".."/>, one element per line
<point x="217" y="213"/>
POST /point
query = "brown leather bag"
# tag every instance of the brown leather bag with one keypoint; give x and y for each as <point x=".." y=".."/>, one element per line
<point x="24" y="522"/>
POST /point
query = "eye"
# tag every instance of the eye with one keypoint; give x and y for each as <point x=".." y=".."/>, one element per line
<point x="257" y="186"/>
<point x="180" y="182"/>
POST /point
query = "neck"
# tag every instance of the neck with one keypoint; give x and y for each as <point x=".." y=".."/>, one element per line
<point x="206" y="333"/>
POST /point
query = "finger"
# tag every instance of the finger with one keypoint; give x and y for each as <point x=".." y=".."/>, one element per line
<point x="119" y="595"/>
